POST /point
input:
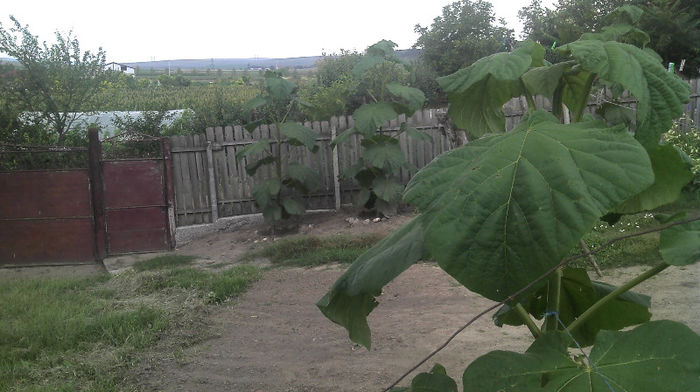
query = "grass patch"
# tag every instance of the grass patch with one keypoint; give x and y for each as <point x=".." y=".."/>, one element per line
<point x="643" y="250"/>
<point x="87" y="334"/>
<point x="49" y="324"/>
<point x="217" y="287"/>
<point x="313" y="251"/>
<point x="163" y="262"/>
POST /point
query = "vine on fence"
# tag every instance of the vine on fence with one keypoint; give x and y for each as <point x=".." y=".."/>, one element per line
<point x="500" y="213"/>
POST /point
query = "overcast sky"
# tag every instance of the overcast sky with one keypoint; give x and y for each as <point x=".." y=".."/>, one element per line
<point x="146" y="30"/>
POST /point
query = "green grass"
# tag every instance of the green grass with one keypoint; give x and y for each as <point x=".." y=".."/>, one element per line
<point x="313" y="251"/>
<point x="642" y="250"/>
<point x="85" y="334"/>
<point x="162" y="262"/>
<point x="49" y="324"/>
<point x="217" y="287"/>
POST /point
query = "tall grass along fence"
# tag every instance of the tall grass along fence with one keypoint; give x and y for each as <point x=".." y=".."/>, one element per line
<point x="210" y="183"/>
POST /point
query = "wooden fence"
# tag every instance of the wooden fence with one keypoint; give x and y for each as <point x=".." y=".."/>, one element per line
<point x="210" y="182"/>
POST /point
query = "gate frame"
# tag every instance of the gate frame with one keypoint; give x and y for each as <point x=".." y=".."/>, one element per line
<point x="95" y="170"/>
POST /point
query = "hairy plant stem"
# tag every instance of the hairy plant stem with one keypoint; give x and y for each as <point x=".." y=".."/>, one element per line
<point x="529" y="322"/>
<point x="616" y="293"/>
<point x="553" y="299"/>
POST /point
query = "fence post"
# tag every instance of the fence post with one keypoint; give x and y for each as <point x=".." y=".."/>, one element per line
<point x="169" y="191"/>
<point x="212" y="184"/>
<point x="97" y="193"/>
<point x="336" y="171"/>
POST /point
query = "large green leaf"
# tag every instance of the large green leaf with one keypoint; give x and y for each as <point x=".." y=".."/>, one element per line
<point x="680" y="245"/>
<point x="656" y="356"/>
<point x="265" y="190"/>
<point x="478" y="92"/>
<point x="279" y="87"/>
<point x="252" y="149"/>
<point x="545" y="80"/>
<point x="413" y="97"/>
<point x="365" y="63"/>
<point x="307" y="178"/>
<point x="351" y="298"/>
<point x="671" y="174"/>
<point x="384" y="152"/>
<point x="253" y="167"/>
<point x="387" y="189"/>
<point x="578" y="294"/>
<point x="660" y="94"/>
<point x="500" y="211"/>
<point x="299" y="135"/>
<point x="369" y="117"/>
<point x="255" y="103"/>
<point x="293" y="206"/>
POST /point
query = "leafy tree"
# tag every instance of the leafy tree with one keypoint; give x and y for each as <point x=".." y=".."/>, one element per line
<point x="674" y="31"/>
<point x="382" y="155"/>
<point x="56" y="82"/>
<point x="465" y="32"/>
<point x="502" y="213"/>
<point x="338" y="89"/>
<point x="673" y="26"/>
<point x="279" y="195"/>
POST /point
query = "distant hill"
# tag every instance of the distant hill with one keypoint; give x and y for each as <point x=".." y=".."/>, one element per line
<point x="249" y="63"/>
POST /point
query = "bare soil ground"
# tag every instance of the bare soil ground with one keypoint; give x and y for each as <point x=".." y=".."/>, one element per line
<point x="273" y="338"/>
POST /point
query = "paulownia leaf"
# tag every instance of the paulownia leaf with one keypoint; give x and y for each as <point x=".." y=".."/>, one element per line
<point x="343" y="137"/>
<point x="253" y="167"/>
<point x="351" y="298"/>
<point x="655" y="356"/>
<point x="413" y="97"/>
<point x="545" y="80"/>
<point x="387" y="189"/>
<point x="307" y="178"/>
<point x="660" y="94"/>
<point x="255" y="103"/>
<point x="265" y="190"/>
<point x="366" y="63"/>
<point x="299" y="135"/>
<point x="383" y="48"/>
<point x="369" y="117"/>
<point x="435" y="381"/>
<point x="272" y="212"/>
<point x="279" y="87"/>
<point x="578" y="294"/>
<point x="383" y="152"/>
<point x="499" y="212"/>
<point x="413" y="133"/>
<point x="252" y="149"/>
<point x="478" y="92"/>
<point x="671" y="174"/>
<point x="293" y="206"/>
<point x="680" y="245"/>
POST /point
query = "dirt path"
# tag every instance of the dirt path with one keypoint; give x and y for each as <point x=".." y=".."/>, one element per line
<point x="275" y="339"/>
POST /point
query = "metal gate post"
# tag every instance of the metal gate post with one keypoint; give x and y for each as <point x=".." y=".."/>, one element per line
<point x="97" y="192"/>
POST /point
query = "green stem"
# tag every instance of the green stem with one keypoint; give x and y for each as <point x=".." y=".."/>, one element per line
<point x="553" y="299"/>
<point x="616" y="293"/>
<point x="529" y="322"/>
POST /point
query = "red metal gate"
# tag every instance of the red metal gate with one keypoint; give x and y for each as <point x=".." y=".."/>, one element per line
<point x="45" y="216"/>
<point x="82" y="215"/>
<point x="135" y="203"/>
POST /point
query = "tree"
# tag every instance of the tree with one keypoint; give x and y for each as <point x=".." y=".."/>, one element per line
<point x="56" y="82"/>
<point x="502" y="213"/>
<point x="673" y="26"/>
<point x="464" y="33"/>
<point x="674" y="30"/>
